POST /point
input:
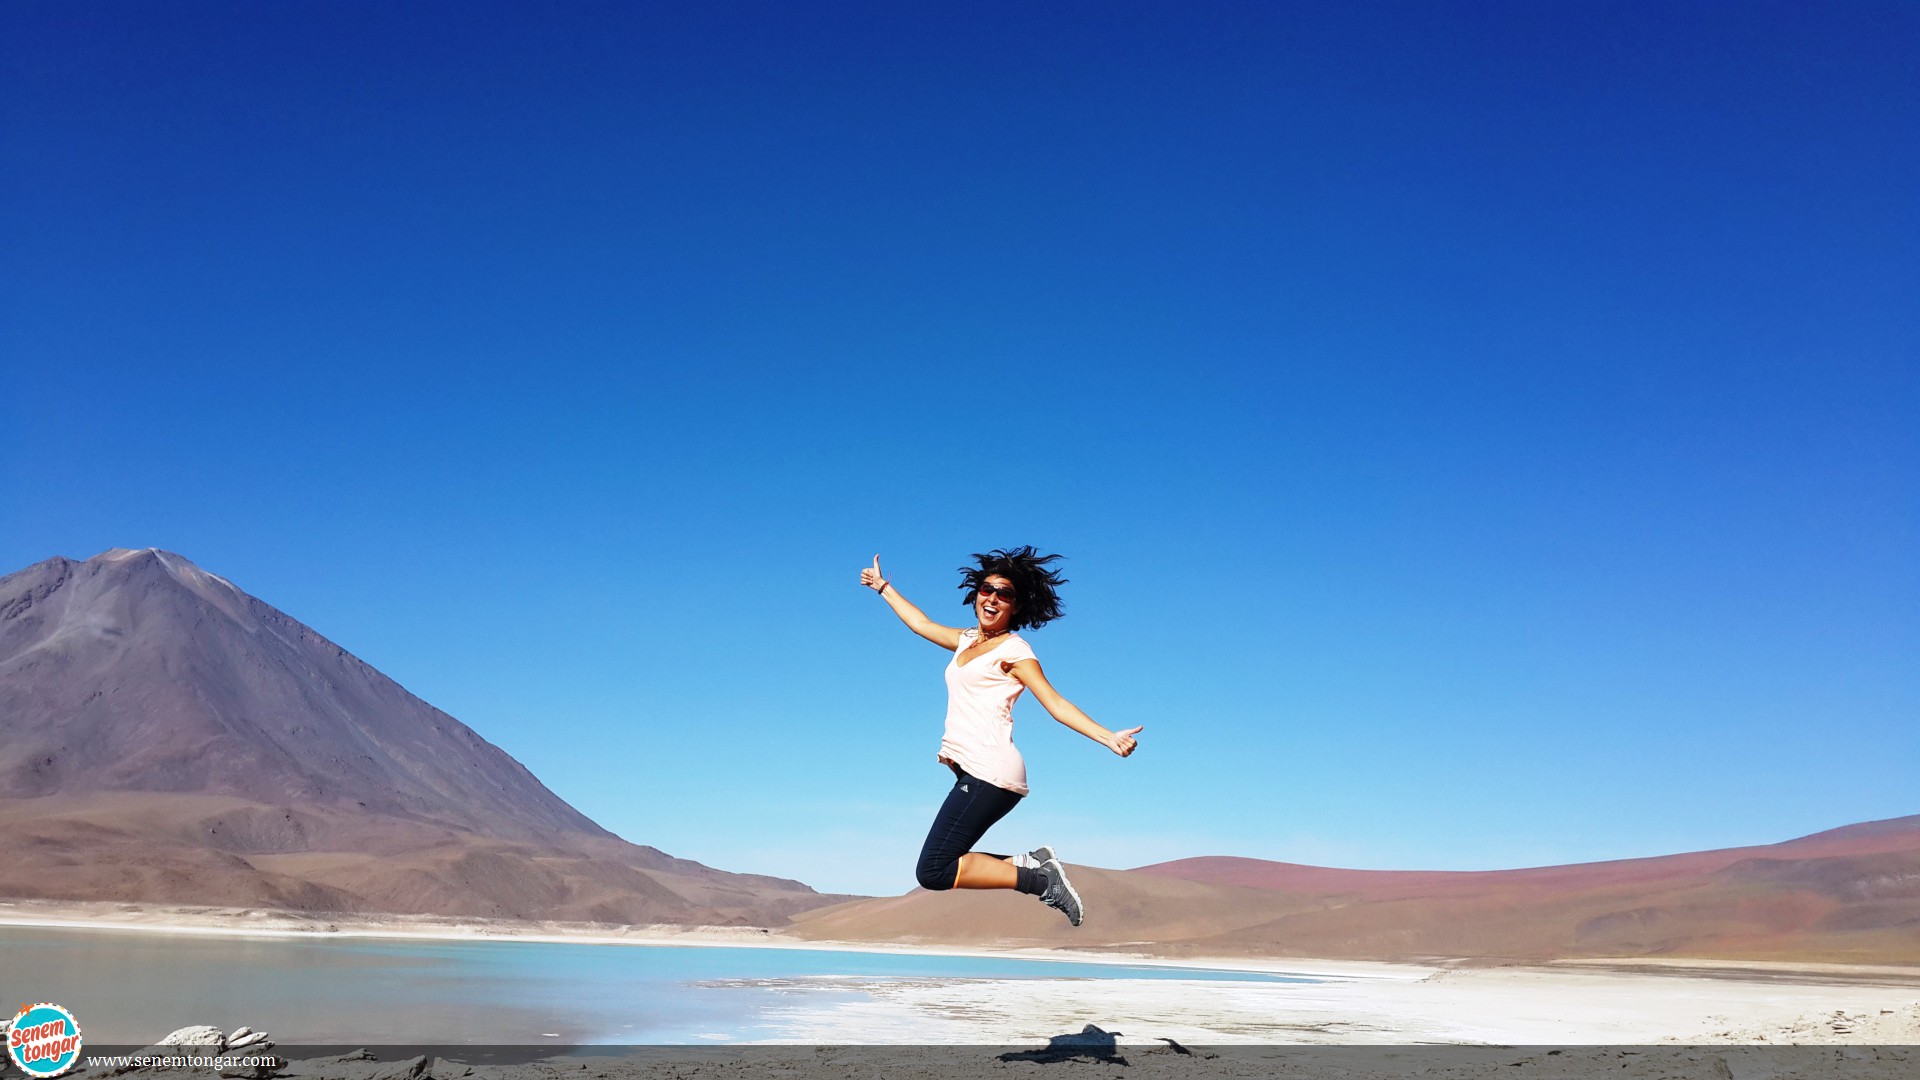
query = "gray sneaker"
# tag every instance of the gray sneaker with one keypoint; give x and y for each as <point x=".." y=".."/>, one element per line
<point x="1035" y="859"/>
<point x="1060" y="894"/>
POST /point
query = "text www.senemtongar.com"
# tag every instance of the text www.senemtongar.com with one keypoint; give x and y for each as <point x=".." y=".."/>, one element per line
<point x="180" y="1061"/>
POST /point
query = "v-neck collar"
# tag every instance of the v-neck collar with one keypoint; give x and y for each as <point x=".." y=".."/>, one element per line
<point x="958" y="666"/>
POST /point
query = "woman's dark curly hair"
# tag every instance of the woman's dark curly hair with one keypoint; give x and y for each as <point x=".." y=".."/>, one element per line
<point x="1033" y="583"/>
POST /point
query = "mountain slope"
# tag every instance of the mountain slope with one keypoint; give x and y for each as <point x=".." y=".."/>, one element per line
<point x="137" y="670"/>
<point x="169" y="738"/>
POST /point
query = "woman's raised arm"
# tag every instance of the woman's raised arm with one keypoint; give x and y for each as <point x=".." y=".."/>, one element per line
<point x="946" y="637"/>
<point x="1029" y="673"/>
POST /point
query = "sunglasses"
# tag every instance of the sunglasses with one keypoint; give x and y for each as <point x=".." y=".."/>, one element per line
<point x="1004" y="592"/>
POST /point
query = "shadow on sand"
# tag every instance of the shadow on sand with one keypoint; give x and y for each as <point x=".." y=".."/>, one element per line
<point x="1090" y="1043"/>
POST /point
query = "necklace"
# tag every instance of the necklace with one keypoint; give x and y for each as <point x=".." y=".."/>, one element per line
<point x="980" y="634"/>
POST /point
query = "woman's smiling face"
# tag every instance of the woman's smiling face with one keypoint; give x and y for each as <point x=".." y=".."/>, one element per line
<point x="994" y="603"/>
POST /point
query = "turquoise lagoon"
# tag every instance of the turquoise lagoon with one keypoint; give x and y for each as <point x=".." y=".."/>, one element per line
<point x="133" y="987"/>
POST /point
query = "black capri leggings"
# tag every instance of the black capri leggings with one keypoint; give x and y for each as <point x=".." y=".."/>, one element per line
<point x="970" y="810"/>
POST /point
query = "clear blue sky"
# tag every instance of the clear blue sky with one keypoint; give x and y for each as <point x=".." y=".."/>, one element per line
<point x="1482" y="434"/>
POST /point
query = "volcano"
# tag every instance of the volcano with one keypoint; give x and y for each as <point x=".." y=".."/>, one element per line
<point x="169" y="738"/>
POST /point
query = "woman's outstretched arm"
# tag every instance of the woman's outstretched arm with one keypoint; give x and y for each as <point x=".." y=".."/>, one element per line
<point x="1030" y="676"/>
<point x="946" y="637"/>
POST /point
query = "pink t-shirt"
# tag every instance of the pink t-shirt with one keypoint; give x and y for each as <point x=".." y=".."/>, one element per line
<point x="980" y="697"/>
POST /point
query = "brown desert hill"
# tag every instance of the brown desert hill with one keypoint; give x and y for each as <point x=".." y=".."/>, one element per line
<point x="169" y="738"/>
<point x="1869" y="838"/>
<point x="1127" y="910"/>
<point x="1846" y="895"/>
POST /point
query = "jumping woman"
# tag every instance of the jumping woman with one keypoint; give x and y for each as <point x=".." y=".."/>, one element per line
<point x="991" y="666"/>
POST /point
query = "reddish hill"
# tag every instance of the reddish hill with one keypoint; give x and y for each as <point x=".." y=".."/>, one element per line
<point x="1870" y="838"/>
<point x="1846" y="895"/>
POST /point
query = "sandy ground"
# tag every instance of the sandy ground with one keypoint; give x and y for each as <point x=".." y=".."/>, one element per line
<point x="1621" y="1003"/>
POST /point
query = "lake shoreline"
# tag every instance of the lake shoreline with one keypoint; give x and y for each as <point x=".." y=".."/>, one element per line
<point x="255" y="922"/>
<point x="1613" y="1002"/>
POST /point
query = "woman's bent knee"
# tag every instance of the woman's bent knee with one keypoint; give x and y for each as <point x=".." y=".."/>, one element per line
<point x="937" y="876"/>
